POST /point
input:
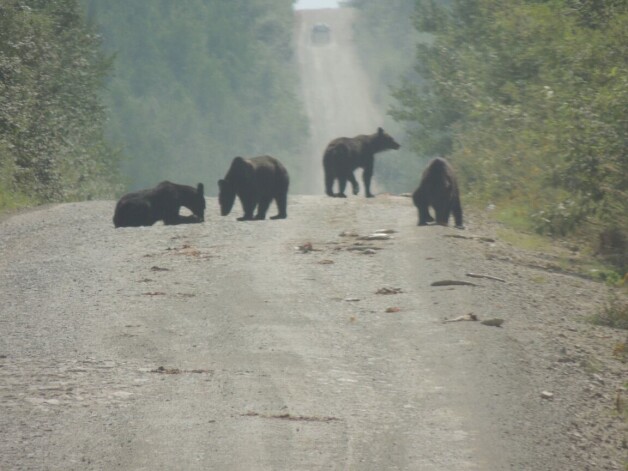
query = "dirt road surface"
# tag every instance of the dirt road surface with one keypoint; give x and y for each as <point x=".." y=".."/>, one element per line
<point x="225" y="346"/>
<point x="284" y="345"/>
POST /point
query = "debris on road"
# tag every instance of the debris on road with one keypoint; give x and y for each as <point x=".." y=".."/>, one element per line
<point x="306" y="248"/>
<point x="387" y="290"/>
<point x="156" y="268"/>
<point x="189" y="250"/>
<point x="452" y="283"/>
<point x="286" y="416"/>
<point x="472" y="317"/>
<point x="376" y="236"/>
<point x="176" y="371"/>
<point x="362" y="248"/>
<point x="480" y="238"/>
<point x="547" y="395"/>
<point x="349" y="234"/>
<point x="325" y="262"/>
<point x="488" y="277"/>
<point x="493" y="322"/>
<point x="466" y="317"/>
<point x="393" y="309"/>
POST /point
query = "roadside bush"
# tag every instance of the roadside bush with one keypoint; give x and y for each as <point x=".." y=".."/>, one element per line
<point x="614" y="314"/>
<point x="613" y="247"/>
<point x="528" y="99"/>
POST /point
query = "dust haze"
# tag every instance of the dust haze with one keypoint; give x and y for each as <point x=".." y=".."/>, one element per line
<point x="336" y="92"/>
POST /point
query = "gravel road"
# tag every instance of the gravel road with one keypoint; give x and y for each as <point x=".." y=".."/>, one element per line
<point x="264" y="345"/>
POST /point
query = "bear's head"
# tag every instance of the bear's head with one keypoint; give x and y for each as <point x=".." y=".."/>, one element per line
<point x="384" y="141"/>
<point x="197" y="203"/>
<point x="226" y="196"/>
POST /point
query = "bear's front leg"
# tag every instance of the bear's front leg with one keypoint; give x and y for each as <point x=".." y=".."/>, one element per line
<point x="354" y="183"/>
<point x="342" y="184"/>
<point x="282" y="204"/>
<point x="366" y="177"/>
<point x="424" y="215"/>
<point x="457" y="211"/>
<point x="249" y="208"/>
<point x="329" y="183"/>
<point x="442" y="214"/>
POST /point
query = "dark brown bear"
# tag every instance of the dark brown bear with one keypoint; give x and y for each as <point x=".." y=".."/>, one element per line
<point x="438" y="189"/>
<point x="256" y="181"/>
<point x="162" y="203"/>
<point x="344" y="154"/>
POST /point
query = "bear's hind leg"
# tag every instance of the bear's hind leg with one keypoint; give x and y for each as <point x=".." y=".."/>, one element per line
<point x="457" y="210"/>
<point x="282" y="205"/>
<point x="442" y="214"/>
<point x="342" y="184"/>
<point x="134" y="213"/>
<point x="366" y="177"/>
<point x="329" y="182"/>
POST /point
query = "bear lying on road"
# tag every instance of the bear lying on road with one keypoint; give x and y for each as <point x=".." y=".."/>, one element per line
<point x="438" y="189"/>
<point x="146" y="207"/>
<point x="256" y="181"/>
<point x="344" y="154"/>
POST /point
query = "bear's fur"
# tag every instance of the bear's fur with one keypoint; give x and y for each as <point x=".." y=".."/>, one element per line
<point x="256" y="181"/>
<point x="162" y="203"/>
<point x="345" y="154"/>
<point x="438" y="189"/>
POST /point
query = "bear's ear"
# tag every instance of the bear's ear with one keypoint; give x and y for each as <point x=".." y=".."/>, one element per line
<point x="380" y="131"/>
<point x="200" y="189"/>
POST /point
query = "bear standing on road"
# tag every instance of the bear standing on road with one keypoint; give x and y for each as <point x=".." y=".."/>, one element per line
<point x="438" y="189"/>
<point x="256" y="181"/>
<point x="344" y="154"/>
<point x="146" y="207"/>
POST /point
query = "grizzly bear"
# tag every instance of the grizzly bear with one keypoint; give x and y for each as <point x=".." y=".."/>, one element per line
<point x="256" y="181"/>
<point x="146" y="207"/>
<point x="438" y="189"/>
<point x="344" y="154"/>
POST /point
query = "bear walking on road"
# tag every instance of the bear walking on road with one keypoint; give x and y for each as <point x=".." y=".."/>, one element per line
<point x="256" y="181"/>
<point x="438" y="189"/>
<point x="162" y="203"/>
<point x="345" y="154"/>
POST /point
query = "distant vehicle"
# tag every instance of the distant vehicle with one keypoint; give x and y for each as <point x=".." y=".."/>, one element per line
<point x="321" y="33"/>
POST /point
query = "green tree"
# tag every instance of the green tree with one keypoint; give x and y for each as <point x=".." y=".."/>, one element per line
<point x="528" y="98"/>
<point x="51" y="115"/>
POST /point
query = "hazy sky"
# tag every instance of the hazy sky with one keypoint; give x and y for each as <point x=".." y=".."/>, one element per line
<point x="310" y="4"/>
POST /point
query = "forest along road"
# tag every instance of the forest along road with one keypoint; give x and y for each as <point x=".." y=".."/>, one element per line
<point x="266" y="346"/>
